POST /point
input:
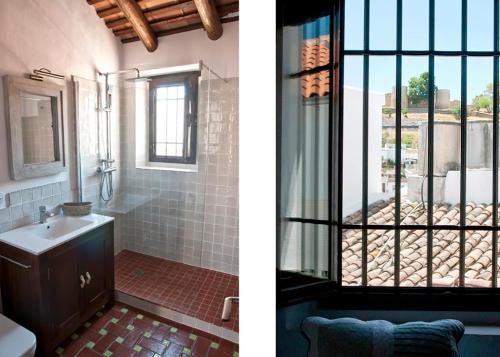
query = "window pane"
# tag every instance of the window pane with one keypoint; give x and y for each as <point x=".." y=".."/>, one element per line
<point x="351" y="257"/>
<point x="180" y="122"/>
<point x="381" y="140"/>
<point x="171" y="150"/>
<point x="480" y="25"/>
<point x="161" y="93"/>
<point x="413" y="258"/>
<point x="478" y="255"/>
<point x="172" y="92"/>
<point x="172" y="121"/>
<point x="445" y="258"/>
<point x="353" y="132"/>
<point x="446" y="186"/>
<point x="415" y="24"/>
<point x="180" y="92"/>
<point x="354" y="25"/>
<point x="479" y="141"/>
<point x="414" y="116"/>
<point x="383" y="24"/>
<point x="161" y="121"/>
<point x="304" y="248"/>
<point x="380" y="258"/>
<point x="161" y="149"/>
<point x="305" y="118"/>
<point x="448" y="25"/>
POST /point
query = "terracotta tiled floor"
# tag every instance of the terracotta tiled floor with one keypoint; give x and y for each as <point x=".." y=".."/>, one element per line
<point x="183" y="288"/>
<point x="124" y="331"/>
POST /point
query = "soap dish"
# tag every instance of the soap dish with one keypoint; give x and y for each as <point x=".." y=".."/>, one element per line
<point x="77" y="208"/>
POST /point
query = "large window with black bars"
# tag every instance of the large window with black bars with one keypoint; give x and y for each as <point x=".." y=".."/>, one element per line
<point x="388" y="145"/>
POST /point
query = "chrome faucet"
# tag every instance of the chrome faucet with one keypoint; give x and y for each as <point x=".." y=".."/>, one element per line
<point x="43" y="214"/>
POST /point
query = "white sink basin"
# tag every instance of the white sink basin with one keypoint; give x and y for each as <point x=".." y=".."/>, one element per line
<point x="57" y="227"/>
<point x="40" y="237"/>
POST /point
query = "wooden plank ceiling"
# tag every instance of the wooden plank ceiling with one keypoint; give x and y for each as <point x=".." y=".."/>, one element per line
<point x="164" y="17"/>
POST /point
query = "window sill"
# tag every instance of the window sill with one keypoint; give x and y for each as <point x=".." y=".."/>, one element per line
<point x="168" y="167"/>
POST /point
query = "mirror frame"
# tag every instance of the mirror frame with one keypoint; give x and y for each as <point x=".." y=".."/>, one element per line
<point x="13" y="86"/>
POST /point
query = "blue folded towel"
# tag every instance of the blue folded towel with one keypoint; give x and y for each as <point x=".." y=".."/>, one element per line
<point x="347" y="337"/>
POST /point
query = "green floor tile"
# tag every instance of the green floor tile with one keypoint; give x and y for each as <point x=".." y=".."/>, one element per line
<point x="90" y="344"/>
<point x="98" y="314"/>
<point x="107" y="353"/>
<point x="156" y="323"/>
<point x="74" y="336"/>
<point x="114" y="320"/>
<point x="140" y="316"/>
<point x="193" y="337"/>
<point x="130" y="327"/>
<point x="137" y="348"/>
<point x="87" y="324"/>
<point x="214" y="345"/>
<point x="103" y="332"/>
<point x="173" y="329"/>
<point x="59" y="350"/>
<point x="147" y="334"/>
<point x="186" y="351"/>
<point x="166" y="342"/>
<point x="156" y="355"/>
<point x="236" y="354"/>
<point x="119" y="339"/>
<point x="124" y="310"/>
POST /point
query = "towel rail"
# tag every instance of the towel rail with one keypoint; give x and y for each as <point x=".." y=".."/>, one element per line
<point x="16" y="262"/>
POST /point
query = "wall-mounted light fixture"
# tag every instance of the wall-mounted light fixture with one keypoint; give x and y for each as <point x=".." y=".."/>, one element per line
<point x="38" y="74"/>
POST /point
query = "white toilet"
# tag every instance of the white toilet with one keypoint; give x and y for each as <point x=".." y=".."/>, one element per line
<point x="15" y="340"/>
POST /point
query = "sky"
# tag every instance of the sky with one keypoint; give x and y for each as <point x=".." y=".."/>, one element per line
<point x="415" y="37"/>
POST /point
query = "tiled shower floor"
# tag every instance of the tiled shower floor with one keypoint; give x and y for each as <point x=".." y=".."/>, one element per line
<point x="123" y="331"/>
<point x="189" y="290"/>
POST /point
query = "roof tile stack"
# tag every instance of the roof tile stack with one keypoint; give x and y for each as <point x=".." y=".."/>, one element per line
<point x="315" y="54"/>
<point x="413" y="248"/>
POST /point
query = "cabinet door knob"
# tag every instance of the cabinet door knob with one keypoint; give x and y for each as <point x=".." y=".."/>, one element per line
<point x="88" y="277"/>
<point x="82" y="280"/>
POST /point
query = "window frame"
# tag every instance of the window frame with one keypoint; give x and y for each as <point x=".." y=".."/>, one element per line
<point x="190" y="82"/>
<point x="293" y="287"/>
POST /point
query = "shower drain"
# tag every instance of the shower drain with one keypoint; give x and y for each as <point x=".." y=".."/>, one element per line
<point x="138" y="273"/>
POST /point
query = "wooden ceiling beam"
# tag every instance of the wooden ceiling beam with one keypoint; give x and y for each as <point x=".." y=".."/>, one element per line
<point x="96" y="2"/>
<point x="210" y="18"/>
<point x="114" y="11"/>
<point x="179" y="30"/>
<point x="193" y="18"/>
<point x="139" y="23"/>
<point x="183" y="8"/>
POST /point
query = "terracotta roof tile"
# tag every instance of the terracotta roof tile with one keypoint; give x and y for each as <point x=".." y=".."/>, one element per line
<point x="413" y="249"/>
<point x="315" y="54"/>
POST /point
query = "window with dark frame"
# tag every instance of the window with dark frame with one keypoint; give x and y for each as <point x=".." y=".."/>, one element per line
<point x="409" y="97"/>
<point x="173" y="118"/>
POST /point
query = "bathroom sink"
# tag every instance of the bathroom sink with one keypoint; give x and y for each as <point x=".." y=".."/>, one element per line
<point x="38" y="238"/>
<point x="58" y="227"/>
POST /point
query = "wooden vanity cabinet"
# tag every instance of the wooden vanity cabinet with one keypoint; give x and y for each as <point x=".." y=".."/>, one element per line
<point x="54" y="293"/>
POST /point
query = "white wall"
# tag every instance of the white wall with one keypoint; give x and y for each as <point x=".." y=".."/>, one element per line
<point x="353" y="148"/>
<point x="189" y="47"/>
<point x="65" y="36"/>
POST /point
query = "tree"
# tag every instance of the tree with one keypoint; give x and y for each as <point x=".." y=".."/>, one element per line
<point x="418" y="88"/>
<point x="484" y="100"/>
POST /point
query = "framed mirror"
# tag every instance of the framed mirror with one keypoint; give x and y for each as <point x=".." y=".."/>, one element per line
<point x="34" y="112"/>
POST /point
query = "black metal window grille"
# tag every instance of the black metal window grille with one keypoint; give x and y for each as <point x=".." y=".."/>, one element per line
<point x="334" y="222"/>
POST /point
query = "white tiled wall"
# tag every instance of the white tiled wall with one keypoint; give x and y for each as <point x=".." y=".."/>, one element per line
<point x="191" y="217"/>
<point x="24" y="205"/>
